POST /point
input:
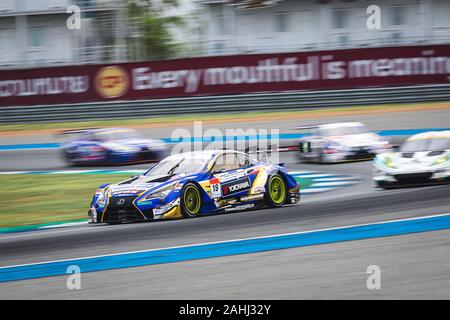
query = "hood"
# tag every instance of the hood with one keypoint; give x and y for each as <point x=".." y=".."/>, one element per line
<point x="143" y="184"/>
<point x="414" y="160"/>
<point x="356" y="140"/>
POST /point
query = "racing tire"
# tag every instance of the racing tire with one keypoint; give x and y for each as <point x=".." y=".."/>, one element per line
<point x="383" y="185"/>
<point x="190" y="200"/>
<point x="67" y="159"/>
<point x="276" y="191"/>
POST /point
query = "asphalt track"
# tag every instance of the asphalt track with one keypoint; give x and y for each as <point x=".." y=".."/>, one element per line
<point x="413" y="266"/>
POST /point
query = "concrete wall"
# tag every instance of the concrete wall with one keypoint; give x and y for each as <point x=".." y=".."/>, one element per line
<point x="307" y="25"/>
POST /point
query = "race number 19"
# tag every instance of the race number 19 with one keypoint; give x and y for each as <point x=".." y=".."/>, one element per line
<point x="215" y="188"/>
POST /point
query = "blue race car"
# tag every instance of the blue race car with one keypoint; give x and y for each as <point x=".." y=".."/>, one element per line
<point x="111" y="146"/>
<point x="195" y="184"/>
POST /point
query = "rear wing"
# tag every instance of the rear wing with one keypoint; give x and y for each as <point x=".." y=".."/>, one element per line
<point x="68" y="133"/>
<point x="75" y="131"/>
<point x="301" y="128"/>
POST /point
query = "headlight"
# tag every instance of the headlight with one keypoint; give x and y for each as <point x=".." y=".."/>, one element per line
<point x="157" y="195"/>
<point x="388" y="162"/>
<point x="441" y="160"/>
<point x="101" y="199"/>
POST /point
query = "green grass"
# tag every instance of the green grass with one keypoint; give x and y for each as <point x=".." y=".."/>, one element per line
<point x="38" y="198"/>
<point x="197" y="117"/>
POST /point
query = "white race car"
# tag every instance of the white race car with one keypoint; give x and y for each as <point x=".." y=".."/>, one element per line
<point x="336" y="142"/>
<point x="422" y="159"/>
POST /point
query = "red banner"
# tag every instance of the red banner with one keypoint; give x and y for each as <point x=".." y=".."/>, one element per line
<point x="315" y="70"/>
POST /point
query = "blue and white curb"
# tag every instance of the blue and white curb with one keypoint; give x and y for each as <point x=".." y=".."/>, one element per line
<point x="227" y="248"/>
<point x="323" y="182"/>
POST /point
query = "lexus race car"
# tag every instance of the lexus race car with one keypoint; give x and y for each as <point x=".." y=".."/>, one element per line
<point x="195" y="184"/>
<point x="337" y="142"/>
<point x="422" y="159"/>
<point x="112" y="146"/>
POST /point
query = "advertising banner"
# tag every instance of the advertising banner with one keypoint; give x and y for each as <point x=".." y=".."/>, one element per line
<point x="313" y="70"/>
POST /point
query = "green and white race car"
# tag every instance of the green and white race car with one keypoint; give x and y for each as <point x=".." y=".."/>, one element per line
<point x="422" y="159"/>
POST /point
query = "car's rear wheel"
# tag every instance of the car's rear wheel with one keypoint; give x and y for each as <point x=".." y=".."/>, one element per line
<point x="276" y="191"/>
<point x="191" y="201"/>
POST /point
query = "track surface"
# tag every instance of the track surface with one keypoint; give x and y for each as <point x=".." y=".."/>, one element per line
<point x="413" y="266"/>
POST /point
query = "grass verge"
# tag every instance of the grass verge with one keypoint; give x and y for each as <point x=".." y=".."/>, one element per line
<point x="36" y="199"/>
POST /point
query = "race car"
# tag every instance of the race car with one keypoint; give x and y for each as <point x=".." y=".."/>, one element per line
<point x="195" y="184"/>
<point x="337" y="142"/>
<point x="111" y="146"/>
<point x="422" y="159"/>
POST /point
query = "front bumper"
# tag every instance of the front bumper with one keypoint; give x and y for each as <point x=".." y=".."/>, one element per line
<point x="145" y="155"/>
<point x="132" y="211"/>
<point x="119" y="209"/>
<point x="410" y="178"/>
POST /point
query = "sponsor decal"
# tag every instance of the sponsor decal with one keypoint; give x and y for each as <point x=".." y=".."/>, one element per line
<point x="236" y="186"/>
<point x="126" y="192"/>
<point x="242" y="207"/>
<point x="228" y="176"/>
<point x="112" y="82"/>
<point x="252" y="197"/>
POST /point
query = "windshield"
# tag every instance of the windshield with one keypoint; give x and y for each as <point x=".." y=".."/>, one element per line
<point x="436" y="144"/>
<point x="343" y="131"/>
<point x="179" y="164"/>
<point x="116" y="135"/>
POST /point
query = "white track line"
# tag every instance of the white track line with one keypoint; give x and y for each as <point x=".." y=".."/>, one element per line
<point x="319" y="175"/>
<point x="63" y="225"/>
<point x="315" y="190"/>
<point x="300" y="172"/>
<point x="332" y="184"/>
<point x="349" y="178"/>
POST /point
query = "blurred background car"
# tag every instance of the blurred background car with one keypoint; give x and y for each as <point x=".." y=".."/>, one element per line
<point x="335" y="142"/>
<point x="423" y="158"/>
<point x="111" y="146"/>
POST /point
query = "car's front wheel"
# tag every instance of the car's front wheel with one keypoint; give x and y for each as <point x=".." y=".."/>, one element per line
<point x="276" y="191"/>
<point x="191" y="200"/>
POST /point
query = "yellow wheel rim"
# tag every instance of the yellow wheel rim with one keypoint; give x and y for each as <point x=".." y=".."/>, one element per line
<point x="277" y="190"/>
<point x="192" y="200"/>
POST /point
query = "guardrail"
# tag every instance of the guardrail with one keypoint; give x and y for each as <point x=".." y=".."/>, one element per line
<point x="228" y="103"/>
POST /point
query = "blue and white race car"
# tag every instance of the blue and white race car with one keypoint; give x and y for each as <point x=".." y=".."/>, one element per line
<point x="111" y="146"/>
<point x="195" y="184"/>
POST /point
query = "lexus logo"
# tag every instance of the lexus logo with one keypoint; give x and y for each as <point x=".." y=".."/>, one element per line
<point x="120" y="202"/>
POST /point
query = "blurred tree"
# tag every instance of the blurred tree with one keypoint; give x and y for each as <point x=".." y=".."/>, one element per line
<point x="154" y="36"/>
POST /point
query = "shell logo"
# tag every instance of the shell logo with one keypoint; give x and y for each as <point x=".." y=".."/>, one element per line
<point x="112" y="82"/>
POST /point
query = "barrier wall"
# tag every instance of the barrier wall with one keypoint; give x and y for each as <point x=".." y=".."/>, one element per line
<point x="355" y="68"/>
